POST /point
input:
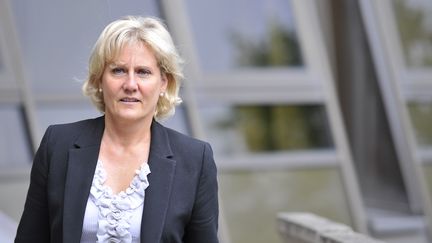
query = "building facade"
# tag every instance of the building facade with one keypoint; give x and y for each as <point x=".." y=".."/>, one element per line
<point x="310" y="105"/>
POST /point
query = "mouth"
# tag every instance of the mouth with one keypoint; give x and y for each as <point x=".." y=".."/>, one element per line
<point x="129" y="100"/>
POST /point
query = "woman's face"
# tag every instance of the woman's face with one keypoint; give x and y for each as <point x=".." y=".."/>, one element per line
<point x="132" y="84"/>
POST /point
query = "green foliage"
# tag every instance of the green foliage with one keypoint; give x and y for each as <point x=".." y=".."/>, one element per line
<point x="413" y="32"/>
<point x="279" y="48"/>
<point x="421" y="117"/>
<point x="273" y="128"/>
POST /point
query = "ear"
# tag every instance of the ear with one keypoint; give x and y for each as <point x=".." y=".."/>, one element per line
<point x="165" y="81"/>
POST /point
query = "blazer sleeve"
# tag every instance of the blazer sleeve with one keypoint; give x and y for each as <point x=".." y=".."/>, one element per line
<point x="203" y="225"/>
<point x="34" y="223"/>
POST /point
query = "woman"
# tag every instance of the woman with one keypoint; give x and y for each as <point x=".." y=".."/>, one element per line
<point x="123" y="177"/>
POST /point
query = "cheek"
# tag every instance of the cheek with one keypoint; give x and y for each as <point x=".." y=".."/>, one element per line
<point x="150" y="89"/>
<point x="153" y="95"/>
<point x="103" y="83"/>
<point x="109" y="85"/>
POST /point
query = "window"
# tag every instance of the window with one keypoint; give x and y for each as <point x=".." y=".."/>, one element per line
<point x="261" y="128"/>
<point x="399" y="33"/>
<point x="261" y="35"/>
<point x="57" y="64"/>
<point x="263" y="102"/>
<point x="15" y="133"/>
<point x="15" y="146"/>
<point x="251" y="200"/>
<point x="413" y="19"/>
<point x="56" y="44"/>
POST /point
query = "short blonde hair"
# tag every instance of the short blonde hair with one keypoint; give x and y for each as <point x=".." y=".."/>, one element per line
<point x="128" y="30"/>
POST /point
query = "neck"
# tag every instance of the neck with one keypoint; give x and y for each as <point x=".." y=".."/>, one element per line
<point x="127" y="133"/>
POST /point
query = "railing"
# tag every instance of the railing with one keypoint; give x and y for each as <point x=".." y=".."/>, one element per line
<point x="310" y="228"/>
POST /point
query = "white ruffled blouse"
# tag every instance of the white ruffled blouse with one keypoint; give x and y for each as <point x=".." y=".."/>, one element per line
<point x="113" y="217"/>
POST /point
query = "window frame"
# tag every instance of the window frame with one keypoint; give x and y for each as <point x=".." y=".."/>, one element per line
<point x="399" y="86"/>
<point x="18" y="91"/>
<point x="318" y="88"/>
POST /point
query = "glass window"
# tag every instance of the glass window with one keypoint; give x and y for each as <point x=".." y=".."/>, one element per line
<point x="1" y="60"/>
<point x="265" y="128"/>
<point x="7" y="79"/>
<point x="178" y="121"/>
<point x="263" y="35"/>
<point x="428" y="176"/>
<point x="15" y="147"/>
<point x="2" y="47"/>
<point x="421" y="117"/>
<point x="414" y="20"/>
<point x="48" y="114"/>
<point x="56" y="41"/>
<point x="251" y="200"/>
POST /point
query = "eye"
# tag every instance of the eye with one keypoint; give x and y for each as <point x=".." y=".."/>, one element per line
<point x="143" y="72"/>
<point x="118" y="71"/>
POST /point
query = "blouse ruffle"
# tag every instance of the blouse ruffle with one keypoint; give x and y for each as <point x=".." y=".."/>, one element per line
<point x="116" y="210"/>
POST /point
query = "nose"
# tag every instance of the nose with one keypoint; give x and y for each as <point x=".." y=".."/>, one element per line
<point x="130" y="85"/>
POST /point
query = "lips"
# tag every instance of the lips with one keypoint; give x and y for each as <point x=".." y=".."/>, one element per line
<point x="129" y="99"/>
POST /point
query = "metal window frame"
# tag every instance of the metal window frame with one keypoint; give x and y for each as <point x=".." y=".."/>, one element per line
<point x="317" y="87"/>
<point x="399" y="85"/>
<point x="21" y="94"/>
<point x="316" y="51"/>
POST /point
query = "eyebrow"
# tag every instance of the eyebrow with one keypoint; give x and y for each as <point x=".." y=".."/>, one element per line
<point x="118" y="64"/>
<point x="113" y="64"/>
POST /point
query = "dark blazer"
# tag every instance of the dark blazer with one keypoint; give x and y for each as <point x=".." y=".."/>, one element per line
<point x="181" y="203"/>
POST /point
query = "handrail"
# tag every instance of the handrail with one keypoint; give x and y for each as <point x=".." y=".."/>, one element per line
<point x="299" y="227"/>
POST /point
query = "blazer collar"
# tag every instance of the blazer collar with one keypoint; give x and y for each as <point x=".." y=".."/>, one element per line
<point x="81" y="167"/>
<point x="92" y="134"/>
<point x="157" y="195"/>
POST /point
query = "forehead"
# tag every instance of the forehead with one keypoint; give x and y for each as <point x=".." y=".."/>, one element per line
<point x="136" y="51"/>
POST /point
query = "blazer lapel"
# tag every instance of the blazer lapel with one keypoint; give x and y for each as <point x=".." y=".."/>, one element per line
<point x="80" y="171"/>
<point x="157" y="195"/>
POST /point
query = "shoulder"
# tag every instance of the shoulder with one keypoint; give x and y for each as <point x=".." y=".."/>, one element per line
<point x="69" y="132"/>
<point x="77" y="125"/>
<point x="181" y="146"/>
<point x="179" y="139"/>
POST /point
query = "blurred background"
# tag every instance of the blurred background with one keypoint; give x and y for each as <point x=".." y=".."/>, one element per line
<point x="321" y="106"/>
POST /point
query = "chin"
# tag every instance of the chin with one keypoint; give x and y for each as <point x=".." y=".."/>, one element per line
<point x="132" y="115"/>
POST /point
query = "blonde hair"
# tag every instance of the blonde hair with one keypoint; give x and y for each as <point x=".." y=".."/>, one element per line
<point x="128" y="30"/>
